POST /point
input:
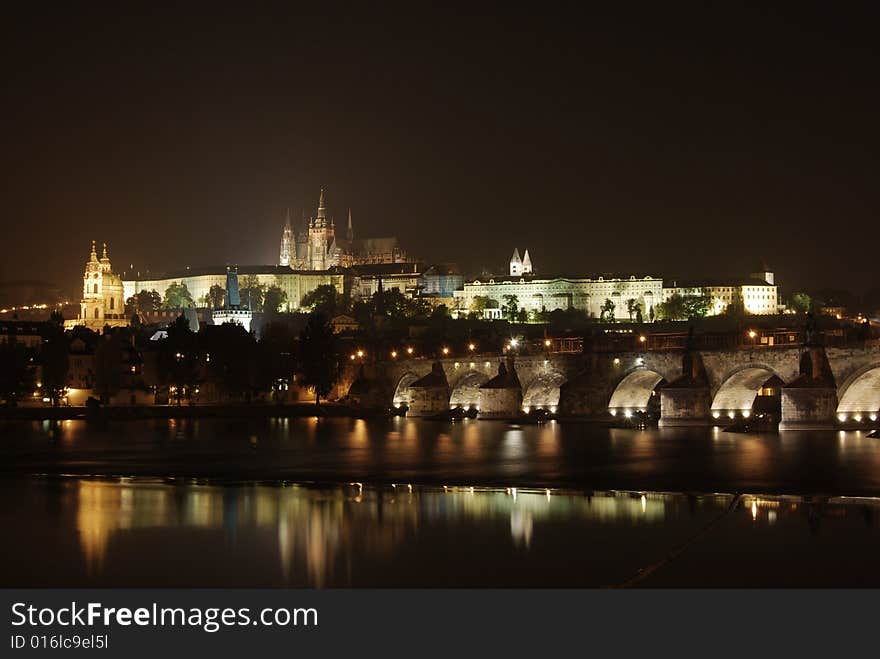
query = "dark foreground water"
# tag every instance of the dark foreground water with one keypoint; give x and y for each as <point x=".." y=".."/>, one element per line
<point x="124" y="532"/>
<point x="415" y="503"/>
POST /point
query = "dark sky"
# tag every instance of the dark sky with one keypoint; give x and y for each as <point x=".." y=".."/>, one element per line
<point x="686" y="144"/>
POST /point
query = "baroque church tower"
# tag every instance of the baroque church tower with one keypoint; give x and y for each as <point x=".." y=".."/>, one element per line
<point x="103" y="297"/>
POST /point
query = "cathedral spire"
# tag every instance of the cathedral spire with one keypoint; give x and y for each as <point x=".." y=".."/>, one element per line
<point x="350" y="232"/>
<point x="94" y="255"/>
<point x="322" y="209"/>
<point x="104" y="255"/>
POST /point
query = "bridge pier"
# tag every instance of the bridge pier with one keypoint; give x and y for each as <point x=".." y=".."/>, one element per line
<point x="684" y="406"/>
<point x="808" y="408"/>
<point x="502" y="396"/>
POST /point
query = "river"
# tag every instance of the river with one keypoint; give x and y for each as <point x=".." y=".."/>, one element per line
<point x="403" y="502"/>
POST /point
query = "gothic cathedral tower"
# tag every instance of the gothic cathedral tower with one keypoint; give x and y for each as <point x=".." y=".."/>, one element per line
<point x="322" y="235"/>
<point x="286" y="242"/>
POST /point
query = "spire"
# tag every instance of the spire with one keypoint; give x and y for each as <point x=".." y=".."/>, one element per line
<point x="322" y="209"/>
<point x="350" y="232"/>
<point x="286" y="242"/>
<point x="104" y="256"/>
<point x="94" y="255"/>
<point x="516" y="264"/>
<point x="526" y="263"/>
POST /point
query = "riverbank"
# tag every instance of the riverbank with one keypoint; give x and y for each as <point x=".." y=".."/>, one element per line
<point x="299" y="410"/>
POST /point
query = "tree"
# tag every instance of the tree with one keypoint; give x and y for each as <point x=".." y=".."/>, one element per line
<point x="16" y="377"/>
<point x="177" y="296"/>
<point x="801" y="302"/>
<point x="274" y="299"/>
<point x="633" y="308"/>
<point x="215" y="297"/>
<point x="684" y="307"/>
<point x="108" y="365"/>
<point x="697" y="306"/>
<point x="326" y="300"/>
<point x="252" y="292"/>
<point x="143" y="302"/>
<point x="233" y="359"/>
<point x="607" y="311"/>
<point x="318" y="355"/>
<point x="479" y="304"/>
<point x="510" y="308"/>
<point x="179" y="359"/>
<point x="54" y="360"/>
<point x="275" y="360"/>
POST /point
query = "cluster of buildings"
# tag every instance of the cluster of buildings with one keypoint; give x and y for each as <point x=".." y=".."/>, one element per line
<point x="627" y="295"/>
<point x="359" y="267"/>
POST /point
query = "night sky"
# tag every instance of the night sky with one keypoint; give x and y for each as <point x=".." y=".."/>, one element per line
<point x="686" y="144"/>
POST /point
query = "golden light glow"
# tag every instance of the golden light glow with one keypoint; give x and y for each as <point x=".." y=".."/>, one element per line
<point x="360" y="353"/>
<point x="394" y="354"/>
<point x="409" y="351"/>
<point x="445" y="350"/>
<point x="547" y="343"/>
<point x="643" y="338"/>
<point x="471" y="346"/>
<point x="752" y="334"/>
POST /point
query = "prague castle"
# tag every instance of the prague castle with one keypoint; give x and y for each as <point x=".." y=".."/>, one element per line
<point x="313" y="257"/>
<point x="319" y="248"/>
<point x="358" y="267"/>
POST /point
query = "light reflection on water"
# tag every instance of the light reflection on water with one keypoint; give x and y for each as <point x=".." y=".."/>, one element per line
<point x="81" y="531"/>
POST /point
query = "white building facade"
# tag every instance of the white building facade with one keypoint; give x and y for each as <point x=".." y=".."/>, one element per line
<point x="589" y="295"/>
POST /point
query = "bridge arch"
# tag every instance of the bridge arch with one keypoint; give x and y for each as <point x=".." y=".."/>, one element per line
<point x="466" y="392"/>
<point x="542" y="392"/>
<point x="860" y="393"/>
<point x="402" y="393"/>
<point x="635" y="391"/>
<point x="749" y="387"/>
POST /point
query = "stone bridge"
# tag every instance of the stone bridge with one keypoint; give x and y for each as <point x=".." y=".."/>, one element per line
<point x="817" y="387"/>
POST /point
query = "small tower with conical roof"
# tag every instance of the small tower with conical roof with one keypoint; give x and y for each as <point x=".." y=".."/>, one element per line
<point x="526" y="263"/>
<point x="516" y="264"/>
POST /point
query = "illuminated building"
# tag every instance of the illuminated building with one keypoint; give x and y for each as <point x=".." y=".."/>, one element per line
<point x="757" y="294"/>
<point x="319" y="248"/>
<point x="233" y="311"/>
<point x="103" y="301"/>
<point x="536" y="294"/>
